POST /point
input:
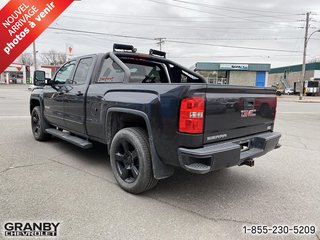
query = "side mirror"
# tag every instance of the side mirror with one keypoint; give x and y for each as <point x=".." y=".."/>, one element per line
<point x="39" y="78"/>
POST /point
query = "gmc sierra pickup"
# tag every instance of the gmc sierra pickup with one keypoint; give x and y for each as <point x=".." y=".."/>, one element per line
<point x="153" y="115"/>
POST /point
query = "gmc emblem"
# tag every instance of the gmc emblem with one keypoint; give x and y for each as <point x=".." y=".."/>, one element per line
<point x="248" y="113"/>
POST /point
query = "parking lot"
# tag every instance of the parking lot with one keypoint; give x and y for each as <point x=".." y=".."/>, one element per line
<point x="56" y="181"/>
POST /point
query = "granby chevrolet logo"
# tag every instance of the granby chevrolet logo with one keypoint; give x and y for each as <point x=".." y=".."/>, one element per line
<point x="31" y="229"/>
<point x="248" y="113"/>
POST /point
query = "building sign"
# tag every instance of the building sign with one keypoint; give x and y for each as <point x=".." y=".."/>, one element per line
<point x="69" y="51"/>
<point x="239" y="67"/>
<point x="317" y="74"/>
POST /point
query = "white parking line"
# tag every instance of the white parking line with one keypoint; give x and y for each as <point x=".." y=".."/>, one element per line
<point x="312" y="113"/>
<point x="14" y="117"/>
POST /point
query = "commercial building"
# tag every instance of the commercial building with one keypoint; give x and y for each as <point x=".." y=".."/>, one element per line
<point x="285" y="77"/>
<point x="18" y="73"/>
<point x="245" y="74"/>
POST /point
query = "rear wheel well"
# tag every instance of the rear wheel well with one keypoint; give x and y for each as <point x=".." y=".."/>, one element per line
<point x="119" y="120"/>
<point x="33" y="104"/>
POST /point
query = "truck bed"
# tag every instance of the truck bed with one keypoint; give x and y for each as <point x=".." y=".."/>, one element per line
<point x="236" y="111"/>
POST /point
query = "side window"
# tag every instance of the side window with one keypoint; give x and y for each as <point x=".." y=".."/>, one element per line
<point x="110" y="72"/>
<point x="82" y="71"/>
<point x="180" y="76"/>
<point x="65" y="72"/>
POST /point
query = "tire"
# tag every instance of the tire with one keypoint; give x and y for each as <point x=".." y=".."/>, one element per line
<point x="38" y="125"/>
<point x="131" y="160"/>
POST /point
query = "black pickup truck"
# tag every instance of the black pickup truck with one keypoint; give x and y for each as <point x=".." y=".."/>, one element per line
<point x="153" y="115"/>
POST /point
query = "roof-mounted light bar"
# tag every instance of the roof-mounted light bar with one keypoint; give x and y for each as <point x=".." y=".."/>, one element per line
<point x="124" y="47"/>
<point x="157" y="53"/>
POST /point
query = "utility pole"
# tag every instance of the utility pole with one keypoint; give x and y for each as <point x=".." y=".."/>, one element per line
<point x="160" y="42"/>
<point x="34" y="55"/>
<point x="303" y="73"/>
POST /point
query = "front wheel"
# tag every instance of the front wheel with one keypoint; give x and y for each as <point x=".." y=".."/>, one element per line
<point x="38" y="125"/>
<point x="131" y="160"/>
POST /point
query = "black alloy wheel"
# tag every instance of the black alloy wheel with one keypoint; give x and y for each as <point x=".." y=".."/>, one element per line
<point x="127" y="161"/>
<point x="131" y="161"/>
<point x="38" y="125"/>
<point x="35" y="122"/>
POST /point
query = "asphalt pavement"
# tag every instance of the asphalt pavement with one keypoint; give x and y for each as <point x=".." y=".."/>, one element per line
<point x="56" y="181"/>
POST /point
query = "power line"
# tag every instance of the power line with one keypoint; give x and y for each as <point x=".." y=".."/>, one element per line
<point x="101" y="33"/>
<point x="219" y="14"/>
<point x="172" y="41"/>
<point x="229" y="46"/>
<point x="245" y="9"/>
<point x="149" y="17"/>
<point x="237" y="39"/>
<point x="212" y="56"/>
<point x="167" y="19"/>
<point x="103" y="39"/>
<point x="211" y="39"/>
<point x="177" y="26"/>
<point x="238" y="10"/>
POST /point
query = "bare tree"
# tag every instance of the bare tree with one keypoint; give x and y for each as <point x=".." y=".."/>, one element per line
<point x="314" y="60"/>
<point x="25" y="59"/>
<point x="53" y="58"/>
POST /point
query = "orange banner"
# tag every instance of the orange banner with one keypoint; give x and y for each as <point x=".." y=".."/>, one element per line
<point x="22" y="21"/>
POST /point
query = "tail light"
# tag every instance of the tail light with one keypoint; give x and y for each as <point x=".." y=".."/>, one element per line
<point x="275" y="107"/>
<point x="191" y="115"/>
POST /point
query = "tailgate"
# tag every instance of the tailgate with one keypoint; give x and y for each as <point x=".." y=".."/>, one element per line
<point x="234" y="111"/>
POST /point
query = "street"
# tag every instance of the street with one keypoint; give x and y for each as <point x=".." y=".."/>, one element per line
<point x="56" y="181"/>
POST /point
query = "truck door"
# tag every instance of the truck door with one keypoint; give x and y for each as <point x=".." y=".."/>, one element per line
<point x="74" y="101"/>
<point x="53" y="96"/>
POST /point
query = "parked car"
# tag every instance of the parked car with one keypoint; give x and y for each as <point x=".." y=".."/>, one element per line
<point x="288" y="91"/>
<point x="31" y="87"/>
<point x="279" y="92"/>
<point x="153" y="115"/>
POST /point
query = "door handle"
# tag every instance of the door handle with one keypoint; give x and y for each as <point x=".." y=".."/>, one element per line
<point x="79" y="94"/>
<point x="249" y="103"/>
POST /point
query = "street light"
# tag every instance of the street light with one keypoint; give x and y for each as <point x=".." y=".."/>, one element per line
<point x="312" y="34"/>
<point x="304" y="61"/>
<point x="34" y="55"/>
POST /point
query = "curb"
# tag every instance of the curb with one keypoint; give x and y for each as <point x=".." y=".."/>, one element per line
<point x="306" y="101"/>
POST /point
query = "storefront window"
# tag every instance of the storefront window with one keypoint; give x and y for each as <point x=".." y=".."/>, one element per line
<point x="217" y="77"/>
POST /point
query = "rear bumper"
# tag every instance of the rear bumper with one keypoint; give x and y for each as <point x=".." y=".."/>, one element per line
<point x="222" y="155"/>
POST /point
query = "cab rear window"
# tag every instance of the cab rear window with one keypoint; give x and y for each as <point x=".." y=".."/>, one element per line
<point x="142" y="73"/>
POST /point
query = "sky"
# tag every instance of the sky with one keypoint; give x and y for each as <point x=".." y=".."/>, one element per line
<point x="229" y="31"/>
